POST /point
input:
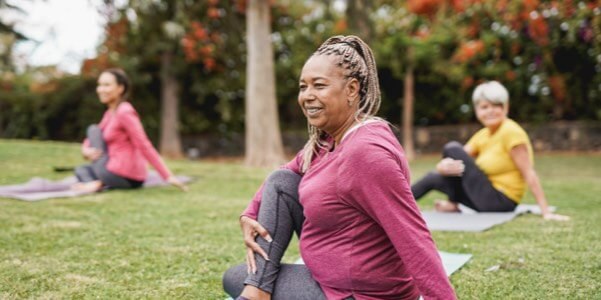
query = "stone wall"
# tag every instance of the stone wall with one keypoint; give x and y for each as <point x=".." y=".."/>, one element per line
<point x="556" y="136"/>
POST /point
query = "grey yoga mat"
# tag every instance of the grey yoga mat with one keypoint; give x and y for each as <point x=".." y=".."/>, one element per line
<point x="38" y="189"/>
<point x="471" y="221"/>
<point x="451" y="262"/>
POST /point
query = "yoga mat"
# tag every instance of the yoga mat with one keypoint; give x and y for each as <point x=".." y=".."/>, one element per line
<point x="451" y="262"/>
<point x="38" y="189"/>
<point x="469" y="220"/>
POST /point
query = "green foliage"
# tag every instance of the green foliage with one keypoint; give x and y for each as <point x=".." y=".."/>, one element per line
<point x="161" y="243"/>
<point x="62" y="112"/>
<point x="547" y="55"/>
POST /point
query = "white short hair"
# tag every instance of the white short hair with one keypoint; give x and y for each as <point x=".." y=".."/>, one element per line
<point x="491" y="91"/>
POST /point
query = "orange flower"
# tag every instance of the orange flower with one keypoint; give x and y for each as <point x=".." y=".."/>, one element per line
<point x="468" y="50"/>
<point x="423" y="7"/>
<point x="473" y="29"/>
<point x="510" y="75"/>
<point x="241" y="6"/>
<point x="340" y="26"/>
<point x="213" y="13"/>
<point x="467" y="82"/>
<point x="461" y="5"/>
<point x="539" y="31"/>
<point x="206" y="50"/>
<point x="530" y="5"/>
<point x="558" y="87"/>
<point x="515" y="48"/>
<point x="209" y="63"/>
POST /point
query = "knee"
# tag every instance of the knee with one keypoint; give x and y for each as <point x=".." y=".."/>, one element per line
<point x="284" y="180"/>
<point x="93" y="130"/>
<point x="233" y="280"/>
<point x="451" y="148"/>
<point x="81" y="172"/>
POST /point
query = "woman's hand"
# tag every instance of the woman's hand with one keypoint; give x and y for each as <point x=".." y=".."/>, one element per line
<point x="555" y="217"/>
<point x="177" y="183"/>
<point x="450" y="167"/>
<point x="250" y="230"/>
<point x="90" y="153"/>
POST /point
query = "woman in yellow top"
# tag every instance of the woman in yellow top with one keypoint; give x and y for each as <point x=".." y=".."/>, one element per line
<point x="491" y="172"/>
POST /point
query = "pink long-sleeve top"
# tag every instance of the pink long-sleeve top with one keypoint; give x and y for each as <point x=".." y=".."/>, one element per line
<point x="363" y="234"/>
<point x="129" y="149"/>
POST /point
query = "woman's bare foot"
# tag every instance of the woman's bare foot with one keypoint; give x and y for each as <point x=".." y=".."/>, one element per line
<point x="446" y="206"/>
<point x="254" y="293"/>
<point x="91" y="187"/>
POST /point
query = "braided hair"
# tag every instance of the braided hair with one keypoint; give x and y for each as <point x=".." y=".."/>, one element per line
<point x="357" y="61"/>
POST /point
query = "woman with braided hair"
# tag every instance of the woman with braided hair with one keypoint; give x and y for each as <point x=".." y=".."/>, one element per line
<point x="346" y="195"/>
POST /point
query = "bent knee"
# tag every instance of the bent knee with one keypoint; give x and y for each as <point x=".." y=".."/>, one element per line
<point x="284" y="180"/>
<point x="233" y="280"/>
<point x="451" y="147"/>
<point x="94" y="128"/>
<point x="81" y="171"/>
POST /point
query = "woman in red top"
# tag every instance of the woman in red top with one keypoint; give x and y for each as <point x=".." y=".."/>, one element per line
<point x="118" y="147"/>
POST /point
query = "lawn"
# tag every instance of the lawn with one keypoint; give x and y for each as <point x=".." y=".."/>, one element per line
<point x="160" y="243"/>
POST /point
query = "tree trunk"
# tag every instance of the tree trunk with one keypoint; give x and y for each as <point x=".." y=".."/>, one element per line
<point x="263" y="139"/>
<point x="170" y="144"/>
<point x="357" y="15"/>
<point x="408" y="101"/>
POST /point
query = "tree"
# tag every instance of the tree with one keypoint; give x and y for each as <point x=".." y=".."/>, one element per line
<point x="170" y="143"/>
<point x="8" y="36"/>
<point x="414" y="42"/>
<point x="153" y="35"/>
<point x="357" y="14"/>
<point x="408" y="103"/>
<point x="263" y="139"/>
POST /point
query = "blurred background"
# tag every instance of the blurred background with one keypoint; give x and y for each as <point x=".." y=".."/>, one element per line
<point x="192" y="55"/>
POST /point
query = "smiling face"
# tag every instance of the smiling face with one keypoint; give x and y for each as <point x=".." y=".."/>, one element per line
<point x="324" y="95"/>
<point x="491" y="115"/>
<point x="108" y="90"/>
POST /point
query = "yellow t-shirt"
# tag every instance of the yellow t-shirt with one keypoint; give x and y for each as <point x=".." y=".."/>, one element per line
<point x="494" y="159"/>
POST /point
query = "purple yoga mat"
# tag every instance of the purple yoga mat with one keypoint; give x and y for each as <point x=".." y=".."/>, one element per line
<point x="37" y="188"/>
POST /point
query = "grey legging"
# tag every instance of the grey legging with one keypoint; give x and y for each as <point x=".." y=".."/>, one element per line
<point x="472" y="189"/>
<point x="97" y="169"/>
<point x="281" y="214"/>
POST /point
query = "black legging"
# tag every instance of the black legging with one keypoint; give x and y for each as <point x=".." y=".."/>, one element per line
<point x="281" y="214"/>
<point x="97" y="169"/>
<point x="473" y="189"/>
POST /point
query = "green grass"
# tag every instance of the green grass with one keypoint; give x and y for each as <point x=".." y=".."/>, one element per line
<point x="160" y="243"/>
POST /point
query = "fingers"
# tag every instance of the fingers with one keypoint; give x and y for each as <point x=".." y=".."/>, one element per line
<point x="251" y="263"/>
<point x="556" y="217"/>
<point x="178" y="184"/>
<point x="450" y="167"/>
<point x="256" y="248"/>
<point x="181" y="186"/>
<point x="250" y="230"/>
<point x="93" y="153"/>
<point x="262" y="232"/>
